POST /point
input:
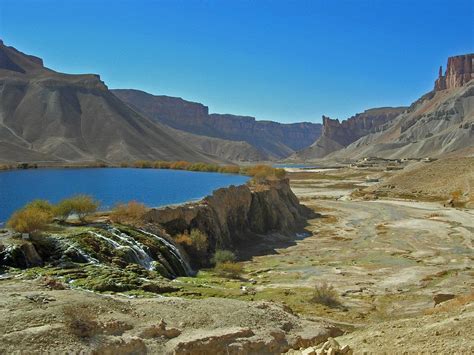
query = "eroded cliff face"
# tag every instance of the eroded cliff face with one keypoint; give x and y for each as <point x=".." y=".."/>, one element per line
<point x="337" y="135"/>
<point x="459" y="71"/>
<point x="233" y="215"/>
<point x="271" y="139"/>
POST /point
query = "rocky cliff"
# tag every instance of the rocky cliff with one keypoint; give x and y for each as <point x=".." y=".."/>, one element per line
<point x="271" y="139"/>
<point x="459" y="71"/>
<point x="235" y="215"/>
<point x="50" y="116"/>
<point x="440" y="123"/>
<point x="337" y="135"/>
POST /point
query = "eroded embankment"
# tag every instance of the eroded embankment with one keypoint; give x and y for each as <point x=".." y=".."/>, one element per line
<point x="234" y="215"/>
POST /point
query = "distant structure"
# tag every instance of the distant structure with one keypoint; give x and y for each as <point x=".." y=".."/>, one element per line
<point x="459" y="71"/>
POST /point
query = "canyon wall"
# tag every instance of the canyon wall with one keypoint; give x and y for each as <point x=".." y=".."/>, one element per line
<point x="235" y="215"/>
<point x="459" y="71"/>
<point x="271" y="139"/>
<point x="337" y="135"/>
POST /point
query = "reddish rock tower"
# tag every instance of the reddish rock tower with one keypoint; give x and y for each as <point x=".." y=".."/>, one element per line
<point x="459" y="71"/>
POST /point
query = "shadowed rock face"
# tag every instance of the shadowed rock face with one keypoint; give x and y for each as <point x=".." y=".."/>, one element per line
<point x="50" y="116"/>
<point x="272" y="139"/>
<point x="459" y="71"/>
<point x="236" y="214"/>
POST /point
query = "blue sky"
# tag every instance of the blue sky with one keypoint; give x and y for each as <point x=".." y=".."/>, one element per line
<point x="287" y="60"/>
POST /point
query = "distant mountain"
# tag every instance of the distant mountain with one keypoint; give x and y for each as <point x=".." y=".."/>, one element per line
<point x="50" y="116"/>
<point x="440" y="123"/>
<point x="337" y="135"/>
<point x="272" y="140"/>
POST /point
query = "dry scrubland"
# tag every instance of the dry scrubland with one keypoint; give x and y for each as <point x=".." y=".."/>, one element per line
<point x="380" y="273"/>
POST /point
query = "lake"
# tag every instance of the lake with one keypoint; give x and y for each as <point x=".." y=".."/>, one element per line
<point x="152" y="187"/>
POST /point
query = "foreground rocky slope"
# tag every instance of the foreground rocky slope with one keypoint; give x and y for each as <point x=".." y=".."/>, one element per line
<point x="50" y="116"/>
<point x="104" y="324"/>
<point x="271" y="139"/>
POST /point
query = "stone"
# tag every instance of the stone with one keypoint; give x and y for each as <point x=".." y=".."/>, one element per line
<point x="308" y="351"/>
<point x="160" y="330"/>
<point x="442" y="297"/>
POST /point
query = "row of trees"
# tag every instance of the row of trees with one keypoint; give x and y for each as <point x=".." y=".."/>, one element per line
<point x="36" y="215"/>
<point x="257" y="172"/>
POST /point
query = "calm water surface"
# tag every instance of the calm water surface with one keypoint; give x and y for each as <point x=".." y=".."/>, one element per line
<point x="108" y="185"/>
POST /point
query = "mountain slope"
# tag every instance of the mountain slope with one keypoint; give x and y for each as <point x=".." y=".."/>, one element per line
<point x="439" y="123"/>
<point x="337" y="135"/>
<point x="272" y="139"/>
<point x="50" y="116"/>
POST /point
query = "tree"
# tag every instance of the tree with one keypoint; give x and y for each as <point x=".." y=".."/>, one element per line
<point x="63" y="209"/>
<point x="131" y="212"/>
<point x="83" y="205"/>
<point x="30" y="219"/>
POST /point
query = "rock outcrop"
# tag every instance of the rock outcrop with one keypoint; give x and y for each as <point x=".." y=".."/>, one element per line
<point x="459" y="71"/>
<point x="236" y="214"/>
<point x="337" y="135"/>
<point x="271" y="139"/>
<point x="49" y="116"/>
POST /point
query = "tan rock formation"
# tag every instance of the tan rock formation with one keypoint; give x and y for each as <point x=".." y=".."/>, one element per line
<point x="460" y="70"/>
<point x="237" y="213"/>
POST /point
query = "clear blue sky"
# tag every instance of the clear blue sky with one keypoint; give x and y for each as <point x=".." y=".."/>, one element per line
<point x="281" y="60"/>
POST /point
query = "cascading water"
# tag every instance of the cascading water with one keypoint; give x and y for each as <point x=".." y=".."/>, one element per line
<point x="75" y="248"/>
<point x="173" y="250"/>
<point x="141" y="252"/>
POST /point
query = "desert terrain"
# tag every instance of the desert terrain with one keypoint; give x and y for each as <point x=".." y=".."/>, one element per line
<point x="378" y="273"/>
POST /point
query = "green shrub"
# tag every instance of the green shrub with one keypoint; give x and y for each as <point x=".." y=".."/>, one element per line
<point x="195" y="243"/>
<point x="229" y="269"/>
<point x="326" y="295"/>
<point x="199" y="241"/>
<point x="83" y="205"/>
<point x="223" y="256"/>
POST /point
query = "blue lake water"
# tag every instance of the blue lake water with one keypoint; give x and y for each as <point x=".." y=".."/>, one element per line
<point x="109" y="185"/>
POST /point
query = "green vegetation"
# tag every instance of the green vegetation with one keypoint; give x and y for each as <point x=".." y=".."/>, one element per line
<point x="229" y="269"/>
<point x="195" y="244"/>
<point x="326" y="295"/>
<point x="223" y="256"/>
<point x="38" y="214"/>
<point x="257" y="172"/>
<point x="128" y="213"/>
<point x="32" y="218"/>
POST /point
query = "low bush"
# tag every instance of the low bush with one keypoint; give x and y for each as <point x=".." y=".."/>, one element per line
<point x="326" y="295"/>
<point x="30" y="219"/>
<point x="223" y="256"/>
<point x="264" y="172"/>
<point x="195" y="243"/>
<point x="131" y="212"/>
<point x="81" y="321"/>
<point x="229" y="169"/>
<point x="229" y="269"/>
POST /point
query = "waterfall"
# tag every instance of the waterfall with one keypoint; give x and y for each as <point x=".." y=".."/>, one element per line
<point x="140" y="256"/>
<point x="75" y="248"/>
<point x="173" y="250"/>
<point x="140" y="251"/>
